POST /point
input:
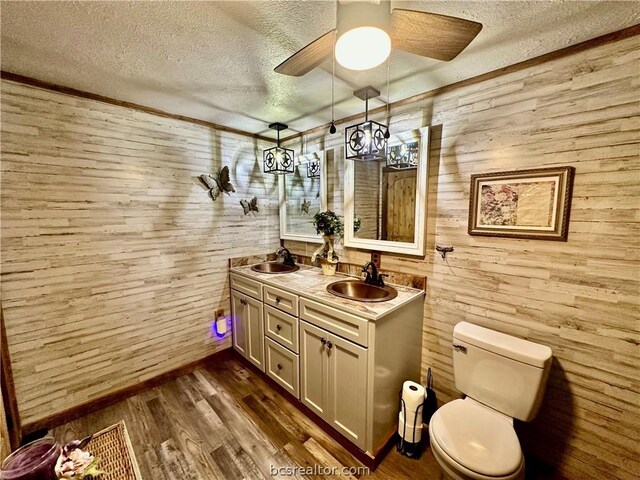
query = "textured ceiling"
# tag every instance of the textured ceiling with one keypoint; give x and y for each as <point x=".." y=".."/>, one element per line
<point x="214" y="60"/>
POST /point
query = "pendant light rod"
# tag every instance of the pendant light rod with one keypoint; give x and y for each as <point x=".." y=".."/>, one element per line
<point x="366" y="108"/>
<point x="365" y="93"/>
<point x="277" y="126"/>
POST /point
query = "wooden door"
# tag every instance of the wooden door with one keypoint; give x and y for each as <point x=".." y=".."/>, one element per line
<point x="399" y="205"/>
<point x="254" y="332"/>
<point x="348" y="389"/>
<point x="314" y="369"/>
<point x="238" y="322"/>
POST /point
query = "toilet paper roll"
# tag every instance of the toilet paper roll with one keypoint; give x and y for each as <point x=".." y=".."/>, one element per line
<point x="413" y="398"/>
<point x="407" y="431"/>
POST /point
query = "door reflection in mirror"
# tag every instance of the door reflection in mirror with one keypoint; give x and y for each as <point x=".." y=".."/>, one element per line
<point x="385" y="201"/>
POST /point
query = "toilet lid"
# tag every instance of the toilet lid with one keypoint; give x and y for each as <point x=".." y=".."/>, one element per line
<point x="477" y="438"/>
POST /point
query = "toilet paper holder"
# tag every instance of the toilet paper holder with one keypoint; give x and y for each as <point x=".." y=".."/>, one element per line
<point x="408" y="442"/>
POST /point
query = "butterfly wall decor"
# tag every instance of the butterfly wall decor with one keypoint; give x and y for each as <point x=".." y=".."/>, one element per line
<point x="218" y="183"/>
<point x="250" y="205"/>
<point x="304" y="207"/>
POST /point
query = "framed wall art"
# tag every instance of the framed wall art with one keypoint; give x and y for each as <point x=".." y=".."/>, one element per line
<point x="532" y="204"/>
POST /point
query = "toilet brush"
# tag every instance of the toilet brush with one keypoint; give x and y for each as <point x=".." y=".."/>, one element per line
<point x="430" y="402"/>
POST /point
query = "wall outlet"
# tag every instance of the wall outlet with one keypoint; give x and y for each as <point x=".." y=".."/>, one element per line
<point x="376" y="258"/>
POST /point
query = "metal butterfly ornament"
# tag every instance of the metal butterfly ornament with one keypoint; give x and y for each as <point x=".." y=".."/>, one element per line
<point x="250" y="205"/>
<point x="218" y="183"/>
<point x="304" y="207"/>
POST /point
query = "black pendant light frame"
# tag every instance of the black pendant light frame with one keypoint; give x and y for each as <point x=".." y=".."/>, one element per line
<point x="403" y="156"/>
<point x="278" y="160"/>
<point x="313" y="169"/>
<point x="366" y="141"/>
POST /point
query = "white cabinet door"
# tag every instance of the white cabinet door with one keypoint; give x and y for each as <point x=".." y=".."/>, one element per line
<point x="254" y="332"/>
<point x="348" y="388"/>
<point x="314" y="369"/>
<point x="238" y="322"/>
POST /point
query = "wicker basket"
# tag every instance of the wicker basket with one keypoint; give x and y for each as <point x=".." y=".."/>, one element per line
<point x="113" y="446"/>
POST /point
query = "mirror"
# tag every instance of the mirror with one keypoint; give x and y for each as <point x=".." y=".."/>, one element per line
<point x="385" y="202"/>
<point x="302" y="194"/>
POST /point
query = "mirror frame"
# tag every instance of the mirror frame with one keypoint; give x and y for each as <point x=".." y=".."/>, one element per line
<point x="284" y="235"/>
<point x="419" y="240"/>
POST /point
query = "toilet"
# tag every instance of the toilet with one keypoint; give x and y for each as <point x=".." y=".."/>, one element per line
<point x="503" y="378"/>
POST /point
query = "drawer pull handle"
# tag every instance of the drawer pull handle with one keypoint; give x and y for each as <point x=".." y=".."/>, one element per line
<point x="279" y="367"/>
<point x="278" y="299"/>
<point x="278" y="327"/>
<point x="459" y="348"/>
<point x="329" y="345"/>
<point x="323" y="341"/>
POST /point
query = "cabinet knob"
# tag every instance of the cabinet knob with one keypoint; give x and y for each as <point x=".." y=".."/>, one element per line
<point x="278" y="327"/>
<point x="323" y="341"/>
<point x="329" y="345"/>
<point x="279" y="367"/>
<point x="278" y="299"/>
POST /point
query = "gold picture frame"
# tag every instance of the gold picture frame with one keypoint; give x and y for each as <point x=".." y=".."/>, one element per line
<point x="533" y="204"/>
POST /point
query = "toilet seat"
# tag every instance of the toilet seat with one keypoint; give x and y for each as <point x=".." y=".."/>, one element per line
<point x="476" y="439"/>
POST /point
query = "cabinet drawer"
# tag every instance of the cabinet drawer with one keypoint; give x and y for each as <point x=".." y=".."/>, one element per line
<point x="246" y="286"/>
<point x="281" y="327"/>
<point x="282" y="366"/>
<point x="285" y="301"/>
<point x="335" y="321"/>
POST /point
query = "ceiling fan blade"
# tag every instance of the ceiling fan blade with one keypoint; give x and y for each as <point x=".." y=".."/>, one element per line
<point x="309" y="57"/>
<point x="430" y="34"/>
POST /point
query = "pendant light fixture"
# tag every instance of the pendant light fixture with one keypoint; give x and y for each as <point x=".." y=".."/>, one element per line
<point x="278" y="160"/>
<point x="403" y="156"/>
<point x="366" y="141"/>
<point x="313" y="169"/>
<point x="363" y="34"/>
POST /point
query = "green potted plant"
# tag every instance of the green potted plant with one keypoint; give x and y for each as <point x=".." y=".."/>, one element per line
<point x="330" y="226"/>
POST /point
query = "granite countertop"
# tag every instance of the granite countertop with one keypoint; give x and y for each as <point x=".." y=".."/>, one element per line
<point x="309" y="282"/>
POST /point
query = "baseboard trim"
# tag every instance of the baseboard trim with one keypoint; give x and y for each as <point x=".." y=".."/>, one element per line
<point x="360" y="455"/>
<point x="81" y="410"/>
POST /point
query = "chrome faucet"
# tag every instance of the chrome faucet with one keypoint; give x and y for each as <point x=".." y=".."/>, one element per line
<point x="373" y="277"/>
<point x="287" y="258"/>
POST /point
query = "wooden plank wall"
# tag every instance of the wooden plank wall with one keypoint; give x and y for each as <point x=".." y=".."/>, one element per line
<point x="113" y="257"/>
<point x="580" y="297"/>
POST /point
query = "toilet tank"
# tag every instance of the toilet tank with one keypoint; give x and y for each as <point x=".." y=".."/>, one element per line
<point x="503" y="372"/>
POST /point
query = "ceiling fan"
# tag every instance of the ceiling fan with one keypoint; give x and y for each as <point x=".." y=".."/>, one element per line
<point x="367" y="30"/>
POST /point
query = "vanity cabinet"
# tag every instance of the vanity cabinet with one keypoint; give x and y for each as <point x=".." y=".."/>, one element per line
<point x="248" y="329"/>
<point x="282" y="366"/>
<point x="334" y="380"/>
<point x="344" y="360"/>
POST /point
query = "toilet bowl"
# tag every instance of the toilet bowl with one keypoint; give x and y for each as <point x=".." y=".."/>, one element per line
<point x="471" y="441"/>
<point x="503" y="378"/>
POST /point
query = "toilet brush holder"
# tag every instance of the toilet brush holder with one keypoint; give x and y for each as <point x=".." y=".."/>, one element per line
<point x="409" y="441"/>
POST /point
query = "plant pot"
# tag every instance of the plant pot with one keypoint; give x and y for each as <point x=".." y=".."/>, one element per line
<point x="328" y="268"/>
<point x="324" y="251"/>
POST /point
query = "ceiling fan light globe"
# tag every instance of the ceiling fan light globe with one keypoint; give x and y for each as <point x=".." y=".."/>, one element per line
<point x="363" y="48"/>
